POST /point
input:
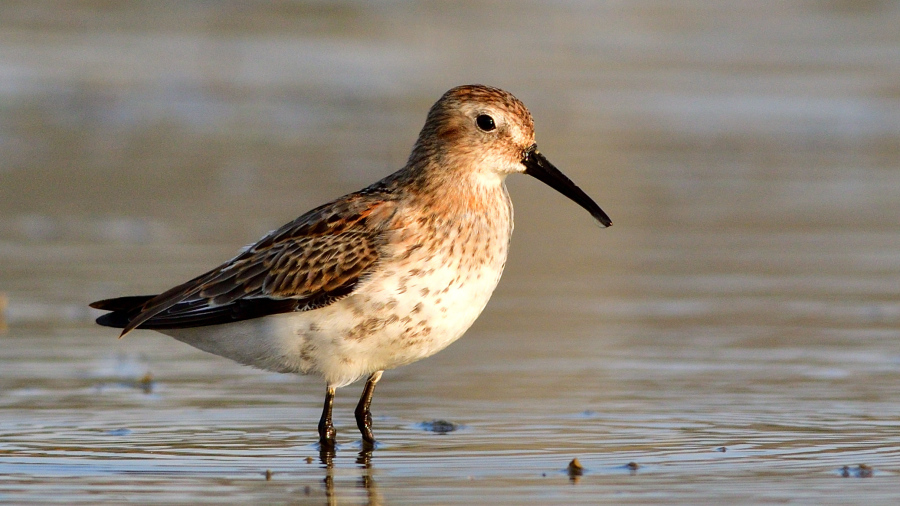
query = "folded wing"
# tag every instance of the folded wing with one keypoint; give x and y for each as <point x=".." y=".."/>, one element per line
<point x="309" y="263"/>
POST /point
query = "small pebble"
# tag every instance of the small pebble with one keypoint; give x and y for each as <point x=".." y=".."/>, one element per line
<point x="575" y="468"/>
<point x="146" y="383"/>
<point x="439" y="426"/>
<point x="860" y="471"/>
<point x="4" y="302"/>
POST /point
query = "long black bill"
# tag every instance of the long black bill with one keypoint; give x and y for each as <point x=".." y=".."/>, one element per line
<point x="538" y="166"/>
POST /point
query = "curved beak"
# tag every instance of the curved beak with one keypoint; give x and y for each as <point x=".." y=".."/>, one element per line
<point x="538" y="166"/>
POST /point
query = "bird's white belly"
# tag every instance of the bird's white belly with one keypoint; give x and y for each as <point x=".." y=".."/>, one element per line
<point x="396" y="317"/>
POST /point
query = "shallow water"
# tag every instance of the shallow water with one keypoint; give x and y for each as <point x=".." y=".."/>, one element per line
<point x="734" y="335"/>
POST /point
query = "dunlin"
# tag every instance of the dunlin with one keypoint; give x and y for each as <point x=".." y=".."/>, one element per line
<point x="378" y="278"/>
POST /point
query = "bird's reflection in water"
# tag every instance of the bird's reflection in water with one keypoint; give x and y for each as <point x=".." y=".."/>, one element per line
<point x="366" y="479"/>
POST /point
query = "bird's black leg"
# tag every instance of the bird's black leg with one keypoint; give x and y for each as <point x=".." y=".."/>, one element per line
<point x="326" y="428"/>
<point x="363" y="415"/>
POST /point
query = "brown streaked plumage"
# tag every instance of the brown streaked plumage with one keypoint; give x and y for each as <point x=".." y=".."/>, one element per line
<point x="378" y="278"/>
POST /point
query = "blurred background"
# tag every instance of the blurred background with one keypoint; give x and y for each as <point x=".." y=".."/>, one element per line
<point x="739" y="320"/>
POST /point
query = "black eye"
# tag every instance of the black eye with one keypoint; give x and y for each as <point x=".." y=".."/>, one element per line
<point x="485" y="122"/>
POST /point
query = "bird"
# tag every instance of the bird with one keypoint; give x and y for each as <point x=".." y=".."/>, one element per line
<point x="376" y="279"/>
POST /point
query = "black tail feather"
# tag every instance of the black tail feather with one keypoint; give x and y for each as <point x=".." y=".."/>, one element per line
<point x="121" y="303"/>
<point x="116" y="319"/>
<point x="196" y="313"/>
<point x="123" y="309"/>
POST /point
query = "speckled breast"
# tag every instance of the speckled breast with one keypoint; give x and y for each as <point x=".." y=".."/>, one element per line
<point x="431" y="286"/>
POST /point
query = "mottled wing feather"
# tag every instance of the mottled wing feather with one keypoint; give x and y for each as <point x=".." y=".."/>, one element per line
<point x="294" y="269"/>
<point x="308" y="263"/>
<point x="322" y="263"/>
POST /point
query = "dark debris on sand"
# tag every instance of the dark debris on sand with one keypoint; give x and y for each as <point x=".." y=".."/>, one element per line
<point x="860" y="471"/>
<point x="439" y="426"/>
